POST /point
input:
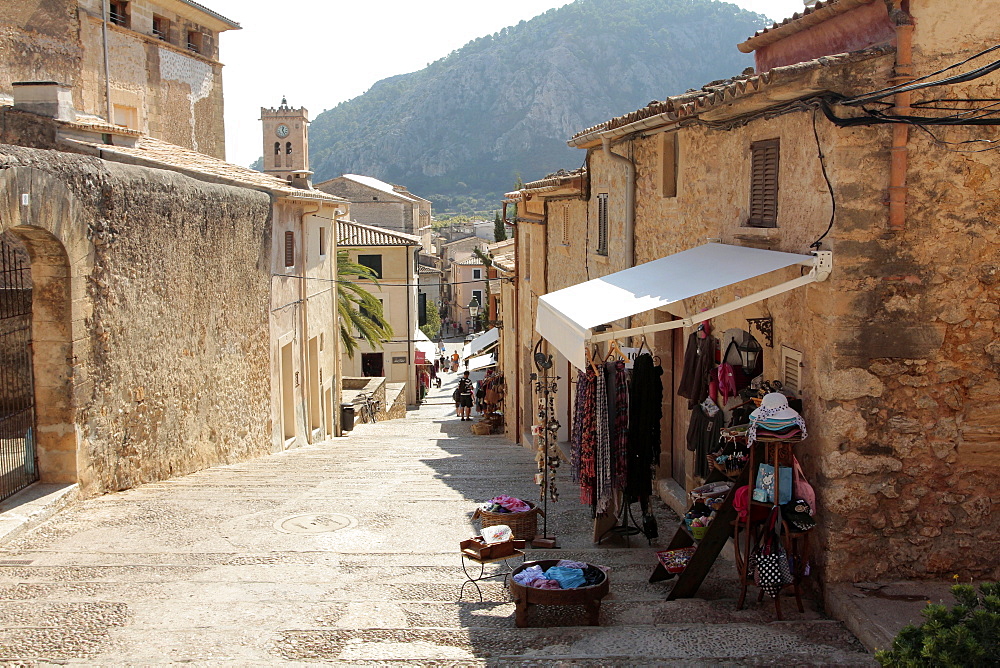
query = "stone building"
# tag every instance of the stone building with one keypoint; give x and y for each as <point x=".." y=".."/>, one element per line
<point x="393" y="258"/>
<point x="380" y="204"/>
<point x="468" y="282"/>
<point x="895" y="354"/>
<point x="145" y="65"/>
<point x="173" y="322"/>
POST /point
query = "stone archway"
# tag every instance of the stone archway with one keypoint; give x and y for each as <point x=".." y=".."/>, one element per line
<point x="43" y="215"/>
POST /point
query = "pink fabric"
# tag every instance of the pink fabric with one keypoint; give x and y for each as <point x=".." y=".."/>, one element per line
<point x="512" y="504"/>
<point x="801" y="487"/>
<point x="741" y="501"/>
<point x="542" y="583"/>
<point x="727" y="381"/>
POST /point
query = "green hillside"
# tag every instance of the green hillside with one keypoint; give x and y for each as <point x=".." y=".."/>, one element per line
<point x="457" y="131"/>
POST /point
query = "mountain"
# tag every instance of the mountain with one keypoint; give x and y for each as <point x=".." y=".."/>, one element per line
<point x="461" y="130"/>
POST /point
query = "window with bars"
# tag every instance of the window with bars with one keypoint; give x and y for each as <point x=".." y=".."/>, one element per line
<point x="195" y="41"/>
<point x="289" y="249"/>
<point x="565" y="224"/>
<point x="118" y="13"/>
<point x="161" y="28"/>
<point x="764" y="183"/>
<point x="602" y="224"/>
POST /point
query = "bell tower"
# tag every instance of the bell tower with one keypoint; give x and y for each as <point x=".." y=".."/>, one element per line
<point x="286" y="143"/>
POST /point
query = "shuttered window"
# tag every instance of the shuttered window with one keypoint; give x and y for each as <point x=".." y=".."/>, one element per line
<point x="565" y="224"/>
<point x="289" y="249"/>
<point x="764" y="183"/>
<point x="602" y="224"/>
<point x="791" y="369"/>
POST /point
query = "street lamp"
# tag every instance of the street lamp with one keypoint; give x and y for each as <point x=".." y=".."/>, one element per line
<point x="474" y="312"/>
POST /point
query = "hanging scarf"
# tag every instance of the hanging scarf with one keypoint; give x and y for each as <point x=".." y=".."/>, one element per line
<point x="619" y="445"/>
<point x="602" y="446"/>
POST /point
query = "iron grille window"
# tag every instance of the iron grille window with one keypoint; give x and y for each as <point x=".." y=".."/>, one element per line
<point x="373" y="262"/>
<point x="289" y="249"/>
<point x="602" y="224"/>
<point x="118" y="13"/>
<point x="194" y="41"/>
<point x="764" y="183"/>
<point x="161" y="27"/>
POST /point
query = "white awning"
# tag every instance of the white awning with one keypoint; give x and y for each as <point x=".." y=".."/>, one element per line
<point x="481" y="343"/>
<point x="424" y="345"/>
<point x="566" y="317"/>
<point x="482" y="362"/>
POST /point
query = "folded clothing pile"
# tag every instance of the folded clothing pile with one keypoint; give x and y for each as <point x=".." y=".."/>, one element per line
<point x="776" y="419"/>
<point x="564" y="575"/>
<point x="505" y="504"/>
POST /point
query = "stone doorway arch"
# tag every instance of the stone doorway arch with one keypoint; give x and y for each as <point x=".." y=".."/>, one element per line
<point x="41" y="213"/>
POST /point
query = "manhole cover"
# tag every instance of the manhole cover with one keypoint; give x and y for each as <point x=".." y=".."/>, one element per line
<point x="314" y="523"/>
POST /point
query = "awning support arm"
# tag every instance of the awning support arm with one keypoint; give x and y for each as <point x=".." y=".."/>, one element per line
<point x="819" y="272"/>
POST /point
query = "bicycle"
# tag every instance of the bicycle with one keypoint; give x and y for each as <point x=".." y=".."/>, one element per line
<point x="369" y="408"/>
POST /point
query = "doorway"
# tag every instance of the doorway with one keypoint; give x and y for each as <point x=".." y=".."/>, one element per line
<point x="18" y="454"/>
<point x="371" y="365"/>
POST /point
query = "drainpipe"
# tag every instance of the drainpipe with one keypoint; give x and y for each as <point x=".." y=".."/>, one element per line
<point x="107" y="66"/>
<point x="629" y="199"/>
<point x="307" y="381"/>
<point x="338" y="353"/>
<point x="516" y="330"/>
<point x="900" y="131"/>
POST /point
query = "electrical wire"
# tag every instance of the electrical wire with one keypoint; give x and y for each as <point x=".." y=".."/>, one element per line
<point x="381" y="283"/>
<point x="826" y="177"/>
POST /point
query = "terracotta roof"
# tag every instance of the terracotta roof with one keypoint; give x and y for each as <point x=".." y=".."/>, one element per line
<point x="376" y="184"/>
<point x="799" y="21"/>
<point x="469" y="261"/>
<point x="552" y="182"/>
<point x="500" y="246"/>
<point x="158" y="153"/>
<point x="716" y="94"/>
<point x="350" y="233"/>
<point x="424" y="269"/>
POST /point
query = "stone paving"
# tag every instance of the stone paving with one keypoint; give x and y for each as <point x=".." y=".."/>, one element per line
<point x="208" y="569"/>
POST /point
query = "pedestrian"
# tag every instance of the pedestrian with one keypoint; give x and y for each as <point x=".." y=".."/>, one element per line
<point x="460" y="329"/>
<point x="454" y="362"/>
<point x="463" y="398"/>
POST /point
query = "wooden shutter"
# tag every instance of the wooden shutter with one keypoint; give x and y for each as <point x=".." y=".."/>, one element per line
<point x="764" y="183"/>
<point x="289" y="249"/>
<point x="791" y="369"/>
<point x="602" y="224"/>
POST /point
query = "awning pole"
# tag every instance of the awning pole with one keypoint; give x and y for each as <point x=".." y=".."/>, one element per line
<point x="710" y="313"/>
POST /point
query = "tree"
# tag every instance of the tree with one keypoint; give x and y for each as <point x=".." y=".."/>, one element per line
<point x="359" y="310"/>
<point x="499" y="229"/>
<point x="433" y="326"/>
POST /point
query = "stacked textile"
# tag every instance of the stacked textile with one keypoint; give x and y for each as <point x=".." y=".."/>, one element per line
<point x="776" y="419"/>
<point x="505" y="504"/>
<point x="565" y="574"/>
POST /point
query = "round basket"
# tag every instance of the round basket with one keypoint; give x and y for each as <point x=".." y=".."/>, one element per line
<point x="524" y="526"/>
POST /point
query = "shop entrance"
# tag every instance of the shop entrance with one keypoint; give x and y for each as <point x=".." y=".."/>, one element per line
<point x="18" y="455"/>
<point x="372" y="365"/>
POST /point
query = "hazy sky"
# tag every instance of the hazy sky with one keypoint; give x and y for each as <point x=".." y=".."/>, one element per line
<point x="319" y="53"/>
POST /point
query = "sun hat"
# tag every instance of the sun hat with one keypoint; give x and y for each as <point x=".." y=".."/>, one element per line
<point x="774" y="405"/>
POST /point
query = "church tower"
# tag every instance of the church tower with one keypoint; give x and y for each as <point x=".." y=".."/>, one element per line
<point x="286" y="143"/>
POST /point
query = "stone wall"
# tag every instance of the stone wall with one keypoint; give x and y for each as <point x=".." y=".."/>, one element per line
<point x="387" y="211"/>
<point x="900" y="346"/>
<point x="164" y="304"/>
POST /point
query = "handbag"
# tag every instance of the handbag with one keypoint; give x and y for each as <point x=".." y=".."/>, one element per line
<point x="803" y="490"/>
<point x="769" y="561"/>
<point x="764" y="489"/>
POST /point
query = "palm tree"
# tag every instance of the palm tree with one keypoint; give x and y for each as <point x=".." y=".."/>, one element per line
<point x="359" y="310"/>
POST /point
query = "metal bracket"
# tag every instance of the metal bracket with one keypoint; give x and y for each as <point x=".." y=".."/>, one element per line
<point x="824" y="264"/>
<point x="766" y="328"/>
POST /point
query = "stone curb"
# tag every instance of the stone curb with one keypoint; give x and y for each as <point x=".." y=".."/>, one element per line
<point x="32" y="506"/>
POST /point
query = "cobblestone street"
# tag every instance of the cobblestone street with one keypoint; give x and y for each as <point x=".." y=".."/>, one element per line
<point x="210" y="569"/>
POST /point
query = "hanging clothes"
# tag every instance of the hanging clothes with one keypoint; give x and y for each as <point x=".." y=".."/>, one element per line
<point x="618" y="415"/>
<point x="645" y="411"/>
<point x="584" y="434"/>
<point x="703" y="438"/>
<point x="602" y="445"/>
<point x="699" y="360"/>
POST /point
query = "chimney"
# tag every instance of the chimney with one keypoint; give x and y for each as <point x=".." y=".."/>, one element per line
<point x="45" y="98"/>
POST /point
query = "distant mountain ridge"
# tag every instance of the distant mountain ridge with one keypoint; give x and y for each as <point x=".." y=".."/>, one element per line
<point x="458" y="131"/>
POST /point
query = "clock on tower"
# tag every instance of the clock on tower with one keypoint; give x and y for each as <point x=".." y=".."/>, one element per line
<point x="286" y="143"/>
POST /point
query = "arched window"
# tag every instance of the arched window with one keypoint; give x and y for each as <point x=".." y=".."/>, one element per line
<point x="277" y="154"/>
<point x="288" y="147"/>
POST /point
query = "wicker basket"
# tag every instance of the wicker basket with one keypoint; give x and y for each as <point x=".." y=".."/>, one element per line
<point x="524" y="526"/>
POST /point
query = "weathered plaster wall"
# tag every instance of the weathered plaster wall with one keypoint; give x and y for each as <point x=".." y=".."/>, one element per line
<point x="39" y="40"/>
<point x="164" y="363"/>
